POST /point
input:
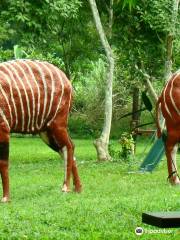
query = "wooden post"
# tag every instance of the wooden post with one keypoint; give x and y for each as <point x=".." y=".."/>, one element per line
<point x="135" y="114"/>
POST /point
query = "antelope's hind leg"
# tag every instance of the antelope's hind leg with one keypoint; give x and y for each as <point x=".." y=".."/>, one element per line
<point x="4" y="163"/>
<point x="55" y="139"/>
<point x="76" y="179"/>
<point x="66" y="149"/>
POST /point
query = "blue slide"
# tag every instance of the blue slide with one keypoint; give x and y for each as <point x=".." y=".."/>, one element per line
<point x="153" y="157"/>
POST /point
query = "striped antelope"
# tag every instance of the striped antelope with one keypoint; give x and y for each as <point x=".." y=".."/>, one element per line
<point x="169" y="104"/>
<point x="35" y="97"/>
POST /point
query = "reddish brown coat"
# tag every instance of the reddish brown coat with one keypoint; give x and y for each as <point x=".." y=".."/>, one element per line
<point x="169" y="104"/>
<point x="35" y="97"/>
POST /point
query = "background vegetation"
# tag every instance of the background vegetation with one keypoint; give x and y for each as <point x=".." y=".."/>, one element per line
<point x="63" y="33"/>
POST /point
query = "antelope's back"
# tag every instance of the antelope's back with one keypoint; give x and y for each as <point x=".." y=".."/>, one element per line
<point x="31" y="94"/>
<point x="170" y="98"/>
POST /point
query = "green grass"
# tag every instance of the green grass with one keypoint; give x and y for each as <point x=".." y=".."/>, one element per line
<point x="109" y="207"/>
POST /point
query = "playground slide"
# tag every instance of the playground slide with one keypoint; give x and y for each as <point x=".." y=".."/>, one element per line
<point x="153" y="157"/>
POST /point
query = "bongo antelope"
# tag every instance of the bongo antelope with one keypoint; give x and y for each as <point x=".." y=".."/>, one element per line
<point x="35" y="97"/>
<point x="169" y="104"/>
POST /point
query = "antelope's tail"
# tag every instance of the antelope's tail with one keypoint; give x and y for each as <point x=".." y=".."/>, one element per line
<point x="158" y="109"/>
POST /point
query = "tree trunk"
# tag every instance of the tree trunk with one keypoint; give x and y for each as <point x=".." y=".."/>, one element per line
<point x="170" y="39"/>
<point x="102" y="143"/>
<point x="148" y="83"/>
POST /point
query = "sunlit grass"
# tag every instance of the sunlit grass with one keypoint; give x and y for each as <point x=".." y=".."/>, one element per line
<point x="109" y="207"/>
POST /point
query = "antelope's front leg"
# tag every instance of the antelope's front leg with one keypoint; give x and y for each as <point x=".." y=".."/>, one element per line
<point x="4" y="163"/>
<point x="76" y="179"/>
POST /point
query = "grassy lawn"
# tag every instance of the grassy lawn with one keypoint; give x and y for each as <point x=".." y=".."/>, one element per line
<point x="109" y="207"/>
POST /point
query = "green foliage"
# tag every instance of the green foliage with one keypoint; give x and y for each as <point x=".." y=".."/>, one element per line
<point x="6" y="55"/>
<point x="139" y="45"/>
<point x="46" y="26"/>
<point x="46" y="56"/>
<point x="89" y="91"/>
<point x="33" y="14"/>
<point x="88" y="83"/>
<point x="125" y="149"/>
<point x="79" y="126"/>
<point x="18" y="52"/>
<point x="127" y="145"/>
<point x="176" y="53"/>
<point x="114" y="151"/>
<point x="157" y="14"/>
<point x="63" y="33"/>
<point x="127" y="3"/>
<point x="33" y="54"/>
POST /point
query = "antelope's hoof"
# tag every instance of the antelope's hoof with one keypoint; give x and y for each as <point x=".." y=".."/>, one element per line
<point x="65" y="189"/>
<point x="5" y="200"/>
<point x="175" y="182"/>
<point x="78" y="189"/>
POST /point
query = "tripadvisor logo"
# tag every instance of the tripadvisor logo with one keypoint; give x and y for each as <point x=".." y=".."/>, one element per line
<point x="139" y="231"/>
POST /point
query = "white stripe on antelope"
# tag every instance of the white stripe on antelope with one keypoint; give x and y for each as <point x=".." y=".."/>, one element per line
<point x="35" y="98"/>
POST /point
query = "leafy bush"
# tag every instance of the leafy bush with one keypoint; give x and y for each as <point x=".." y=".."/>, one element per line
<point x="46" y="56"/>
<point x="88" y="86"/>
<point x="114" y="152"/>
<point x="127" y="144"/>
<point x="78" y="126"/>
<point x="125" y="151"/>
<point x="6" y="55"/>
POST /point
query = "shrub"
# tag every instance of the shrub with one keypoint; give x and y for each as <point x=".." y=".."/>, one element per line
<point x="127" y="145"/>
<point x="6" y="55"/>
<point x="125" y="149"/>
